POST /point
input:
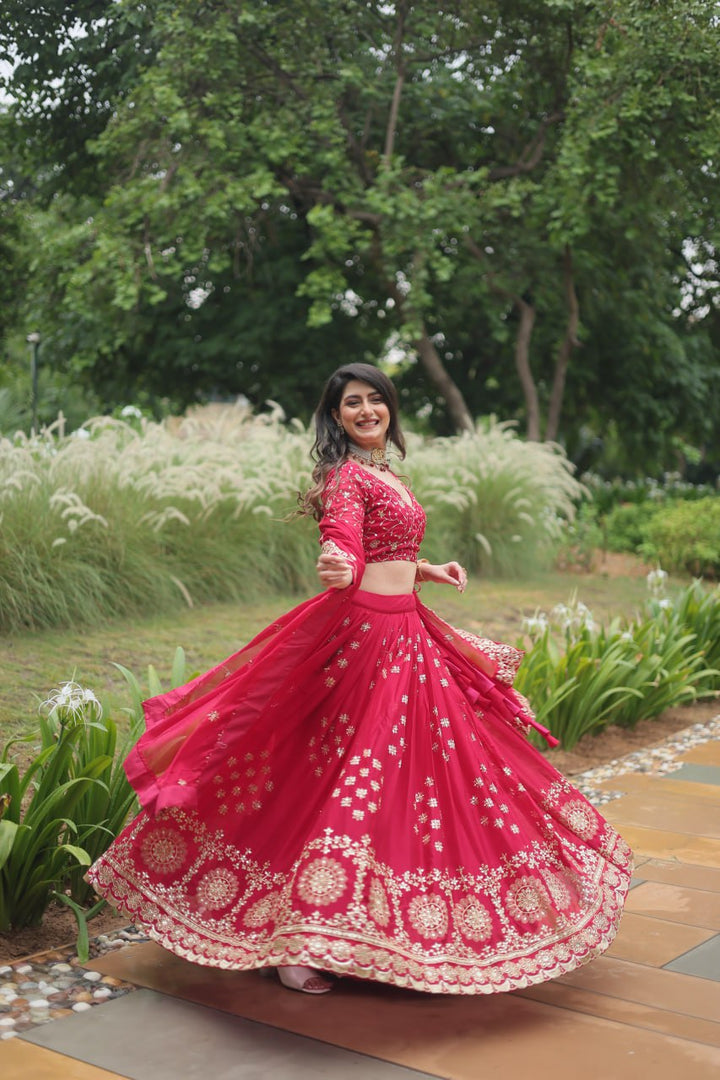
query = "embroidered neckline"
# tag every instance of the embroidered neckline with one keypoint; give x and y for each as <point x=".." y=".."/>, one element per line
<point x="409" y="502"/>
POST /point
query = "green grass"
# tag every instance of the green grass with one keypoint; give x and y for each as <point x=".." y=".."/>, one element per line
<point x="34" y="663"/>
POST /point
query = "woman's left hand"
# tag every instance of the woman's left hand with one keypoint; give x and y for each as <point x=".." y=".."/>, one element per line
<point x="449" y="573"/>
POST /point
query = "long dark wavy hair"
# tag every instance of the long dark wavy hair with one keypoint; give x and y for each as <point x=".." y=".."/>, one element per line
<point x="331" y="442"/>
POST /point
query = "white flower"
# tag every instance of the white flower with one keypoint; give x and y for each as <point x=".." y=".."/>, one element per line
<point x="535" y="625"/>
<point x="72" y="702"/>
<point x="573" y="617"/>
<point x="656" y="581"/>
<point x="130" y="412"/>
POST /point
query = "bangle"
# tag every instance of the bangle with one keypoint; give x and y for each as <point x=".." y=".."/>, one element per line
<point x="418" y="575"/>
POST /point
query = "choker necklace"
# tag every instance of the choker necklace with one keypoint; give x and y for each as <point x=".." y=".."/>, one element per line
<point x="375" y="458"/>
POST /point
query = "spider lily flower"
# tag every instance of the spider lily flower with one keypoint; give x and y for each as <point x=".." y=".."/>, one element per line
<point x="72" y="703"/>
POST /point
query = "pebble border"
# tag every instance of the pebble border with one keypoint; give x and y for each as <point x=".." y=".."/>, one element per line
<point x="54" y="984"/>
<point x="660" y="760"/>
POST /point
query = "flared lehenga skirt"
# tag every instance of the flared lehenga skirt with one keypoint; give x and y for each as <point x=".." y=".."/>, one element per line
<point x="358" y="796"/>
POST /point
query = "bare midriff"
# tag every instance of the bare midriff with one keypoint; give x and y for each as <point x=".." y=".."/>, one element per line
<point x="389" y="578"/>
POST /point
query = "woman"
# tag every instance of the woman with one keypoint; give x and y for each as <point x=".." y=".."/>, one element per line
<point x="353" y="792"/>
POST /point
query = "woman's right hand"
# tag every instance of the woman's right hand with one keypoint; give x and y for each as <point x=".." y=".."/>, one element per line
<point x="334" y="572"/>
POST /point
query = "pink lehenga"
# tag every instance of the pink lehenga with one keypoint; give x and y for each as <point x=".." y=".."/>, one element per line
<point x="354" y="791"/>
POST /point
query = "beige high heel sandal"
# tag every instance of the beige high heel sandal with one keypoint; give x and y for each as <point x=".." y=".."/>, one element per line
<point x="299" y="978"/>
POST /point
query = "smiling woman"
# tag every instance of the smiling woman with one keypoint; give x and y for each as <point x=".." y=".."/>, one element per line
<point x="365" y="419"/>
<point x="353" y="792"/>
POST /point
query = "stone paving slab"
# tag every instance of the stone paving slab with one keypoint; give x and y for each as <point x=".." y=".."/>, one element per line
<point x="704" y="960"/>
<point x="655" y="942"/>
<point x="692" y="907"/>
<point x="151" y="1036"/>
<point x="454" y="1037"/>
<point x="706" y="754"/>
<point x="704" y="774"/>
<point x="689" y="815"/>
<point x="669" y="787"/>
<point x="678" y="873"/>
<point x="20" y="1060"/>
<point x="669" y="846"/>
<point x="633" y="1013"/>
<point x="655" y="988"/>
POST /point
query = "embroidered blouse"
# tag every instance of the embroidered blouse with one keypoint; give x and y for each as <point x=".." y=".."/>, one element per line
<point x="365" y="520"/>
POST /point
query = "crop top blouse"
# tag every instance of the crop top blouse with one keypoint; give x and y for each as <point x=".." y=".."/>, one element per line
<point x="365" y="520"/>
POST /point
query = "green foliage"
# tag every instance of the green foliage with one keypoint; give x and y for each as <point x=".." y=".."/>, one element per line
<point x="581" y="538"/>
<point x="46" y="840"/>
<point x="626" y="527"/>
<point x="72" y="799"/>
<point x="697" y="611"/>
<point x="120" y="522"/>
<point x="576" y="691"/>
<point x="686" y="537"/>
<point x="668" y="669"/>
<point x="607" y="494"/>
<point x="580" y="678"/>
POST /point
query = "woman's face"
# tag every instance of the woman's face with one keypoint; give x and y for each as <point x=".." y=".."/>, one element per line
<point x="364" y="415"/>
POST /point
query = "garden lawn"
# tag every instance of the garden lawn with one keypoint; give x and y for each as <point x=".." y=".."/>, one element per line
<point x="33" y="663"/>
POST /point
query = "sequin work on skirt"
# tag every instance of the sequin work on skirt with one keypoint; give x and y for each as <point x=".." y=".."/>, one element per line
<point x="383" y="816"/>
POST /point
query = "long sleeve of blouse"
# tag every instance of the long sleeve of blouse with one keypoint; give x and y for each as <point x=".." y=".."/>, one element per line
<point x="341" y="526"/>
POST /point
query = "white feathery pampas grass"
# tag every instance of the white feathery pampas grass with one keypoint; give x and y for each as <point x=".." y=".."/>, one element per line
<point x="122" y="517"/>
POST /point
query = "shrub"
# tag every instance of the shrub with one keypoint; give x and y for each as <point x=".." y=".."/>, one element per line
<point x="686" y="537"/>
<point x="626" y="526"/>
<point x="581" y="539"/>
<point x="607" y="494"/>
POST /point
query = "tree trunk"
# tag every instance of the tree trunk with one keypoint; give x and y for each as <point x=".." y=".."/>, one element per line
<point x="522" y="345"/>
<point x="522" y="364"/>
<point x="435" y="369"/>
<point x="569" y="342"/>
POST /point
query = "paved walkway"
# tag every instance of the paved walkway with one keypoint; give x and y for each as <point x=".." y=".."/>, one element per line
<point x="650" y="1006"/>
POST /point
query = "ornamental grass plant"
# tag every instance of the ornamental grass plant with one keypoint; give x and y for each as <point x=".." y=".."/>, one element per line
<point x="498" y="503"/>
<point x="129" y="518"/>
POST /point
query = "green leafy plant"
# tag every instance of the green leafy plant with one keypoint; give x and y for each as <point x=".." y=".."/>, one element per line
<point x="686" y="537"/>
<point x="626" y="526"/>
<point x="70" y="802"/>
<point x="579" y="678"/>
<point x="39" y="835"/>
<point x="668" y="670"/>
<point x="575" y="687"/>
<point x="697" y="610"/>
<point x="580" y="539"/>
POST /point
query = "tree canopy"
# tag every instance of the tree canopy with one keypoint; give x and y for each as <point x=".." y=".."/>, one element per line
<point x="218" y="198"/>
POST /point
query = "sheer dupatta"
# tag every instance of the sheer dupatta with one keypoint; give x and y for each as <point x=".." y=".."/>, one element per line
<point x="183" y="739"/>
